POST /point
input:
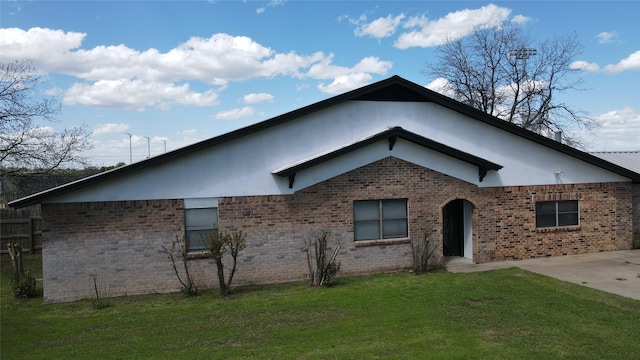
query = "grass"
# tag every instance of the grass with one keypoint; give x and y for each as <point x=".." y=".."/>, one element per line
<point x="501" y="314"/>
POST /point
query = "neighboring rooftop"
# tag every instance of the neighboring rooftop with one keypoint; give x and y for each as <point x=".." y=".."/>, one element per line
<point x="627" y="159"/>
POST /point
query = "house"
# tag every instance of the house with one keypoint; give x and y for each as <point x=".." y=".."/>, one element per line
<point x="375" y="167"/>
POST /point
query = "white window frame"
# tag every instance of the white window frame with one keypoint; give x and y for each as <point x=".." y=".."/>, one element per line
<point x="195" y="205"/>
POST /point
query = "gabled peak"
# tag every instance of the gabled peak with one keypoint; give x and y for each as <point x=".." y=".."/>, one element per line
<point x="394" y="92"/>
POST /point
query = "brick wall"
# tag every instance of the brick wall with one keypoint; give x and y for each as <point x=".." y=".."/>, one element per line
<point x="121" y="242"/>
<point x="605" y="220"/>
<point x="278" y="226"/>
<point x="118" y="243"/>
<point x="636" y="208"/>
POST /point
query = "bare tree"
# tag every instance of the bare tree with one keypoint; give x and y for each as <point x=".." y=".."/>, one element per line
<point x="25" y="142"/>
<point x="219" y="243"/>
<point x="500" y="70"/>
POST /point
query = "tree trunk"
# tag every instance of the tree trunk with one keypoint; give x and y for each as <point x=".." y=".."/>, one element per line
<point x="223" y="286"/>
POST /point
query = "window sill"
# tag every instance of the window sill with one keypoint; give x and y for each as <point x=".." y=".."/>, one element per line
<point x="559" y="229"/>
<point x="360" y="243"/>
<point x="199" y="255"/>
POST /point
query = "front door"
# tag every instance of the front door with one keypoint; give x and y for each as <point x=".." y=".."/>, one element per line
<point x="453" y="228"/>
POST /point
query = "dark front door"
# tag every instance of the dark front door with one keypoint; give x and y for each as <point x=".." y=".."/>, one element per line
<point x="453" y="228"/>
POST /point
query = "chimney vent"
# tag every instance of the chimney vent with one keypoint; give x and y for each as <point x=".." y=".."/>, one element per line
<point x="558" y="136"/>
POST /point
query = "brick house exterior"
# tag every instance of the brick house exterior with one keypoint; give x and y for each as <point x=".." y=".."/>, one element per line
<point x="111" y="227"/>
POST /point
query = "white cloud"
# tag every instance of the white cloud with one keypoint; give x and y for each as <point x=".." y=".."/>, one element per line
<point x="442" y="86"/>
<point x="41" y="131"/>
<point x="110" y="128"/>
<point x="136" y="94"/>
<point x="631" y="62"/>
<point x="607" y="37"/>
<point x="453" y="25"/>
<point x="257" y="98"/>
<point x="46" y="47"/>
<point x="326" y="70"/>
<point x="344" y="78"/>
<point x="381" y="27"/>
<point x="272" y="3"/>
<point x="520" y="19"/>
<point x="54" y="91"/>
<point x="416" y="21"/>
<point x="346" y="82"/>
<point x="585" y="66"/>
<point x="188" y="132"/>
<point x="619" y="131"/>
<point x="121" y="77"/>
<point x="235" y="114"/>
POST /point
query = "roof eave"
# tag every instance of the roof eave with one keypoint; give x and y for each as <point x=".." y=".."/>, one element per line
<point x="356" y="94"/>
<point x="390" y="135"/>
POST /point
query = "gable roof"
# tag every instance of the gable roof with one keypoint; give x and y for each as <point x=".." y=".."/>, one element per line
<point x="390" y="135"/>
<point x="394" y="88"/>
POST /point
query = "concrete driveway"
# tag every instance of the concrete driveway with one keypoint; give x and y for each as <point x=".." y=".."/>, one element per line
<point x="616" y="272"/>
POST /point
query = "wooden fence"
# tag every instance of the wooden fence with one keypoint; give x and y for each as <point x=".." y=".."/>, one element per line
<point x="23" y="227"/>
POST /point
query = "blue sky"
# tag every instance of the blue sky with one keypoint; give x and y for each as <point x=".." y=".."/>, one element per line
<point x="181" y="72"/>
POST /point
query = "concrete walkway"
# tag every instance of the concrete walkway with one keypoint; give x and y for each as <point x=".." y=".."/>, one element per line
<point x="616" y="272"/>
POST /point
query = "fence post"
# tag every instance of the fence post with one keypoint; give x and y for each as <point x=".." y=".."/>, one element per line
<point x="31" y="235"/>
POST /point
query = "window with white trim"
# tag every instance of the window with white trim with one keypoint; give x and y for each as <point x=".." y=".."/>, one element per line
<point x="380" y="219"/>
<point x="557" y="213"/>
<point x="200" y="219"/>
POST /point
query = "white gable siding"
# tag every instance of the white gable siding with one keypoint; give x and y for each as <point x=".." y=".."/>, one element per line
<point x="244" y="166"/>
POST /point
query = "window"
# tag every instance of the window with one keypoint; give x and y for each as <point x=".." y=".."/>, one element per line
<point x="200" y="219"/>
<point x="380" y="219"/>
<point x="556" y="213"/>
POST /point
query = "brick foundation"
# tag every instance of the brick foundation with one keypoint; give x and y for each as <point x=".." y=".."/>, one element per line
<point x="120" y="243"/>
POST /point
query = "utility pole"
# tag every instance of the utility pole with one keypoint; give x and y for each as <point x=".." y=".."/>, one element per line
<point x="148" y="147"/>
<point x="130" y="156"/>
<point x="165" y="145"/>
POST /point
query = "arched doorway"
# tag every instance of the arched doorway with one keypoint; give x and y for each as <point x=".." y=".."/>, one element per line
<point x="457" y="229"/>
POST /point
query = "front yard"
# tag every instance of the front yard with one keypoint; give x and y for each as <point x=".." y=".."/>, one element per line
<point x="501" y="314"/>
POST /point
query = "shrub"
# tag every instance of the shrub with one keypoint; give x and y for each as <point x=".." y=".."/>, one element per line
<point x="423" y="249"/>
<point x="178" y="253"/>
<point x="636" y="241"/>
<point x="219" y="243"/>
<point x="23" y="283"/>
<point x="322" y="269"/>
<point x="26" y="286"/>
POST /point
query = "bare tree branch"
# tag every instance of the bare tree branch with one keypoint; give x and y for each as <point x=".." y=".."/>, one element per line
<point x="26" y="142"/>
<point x="500" y="70"/>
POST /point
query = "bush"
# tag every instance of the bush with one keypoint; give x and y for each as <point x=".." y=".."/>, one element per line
<point x="636" y="241"/>
<point x="26" y="286"/>
<point x="178" y="253"/>
<point x="323" y="267"/>
<point x="220" y="243"/>
<point x="423" y="249"/>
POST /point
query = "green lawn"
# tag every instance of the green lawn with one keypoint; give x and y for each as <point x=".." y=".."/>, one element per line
<point x="501" y="314"/>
